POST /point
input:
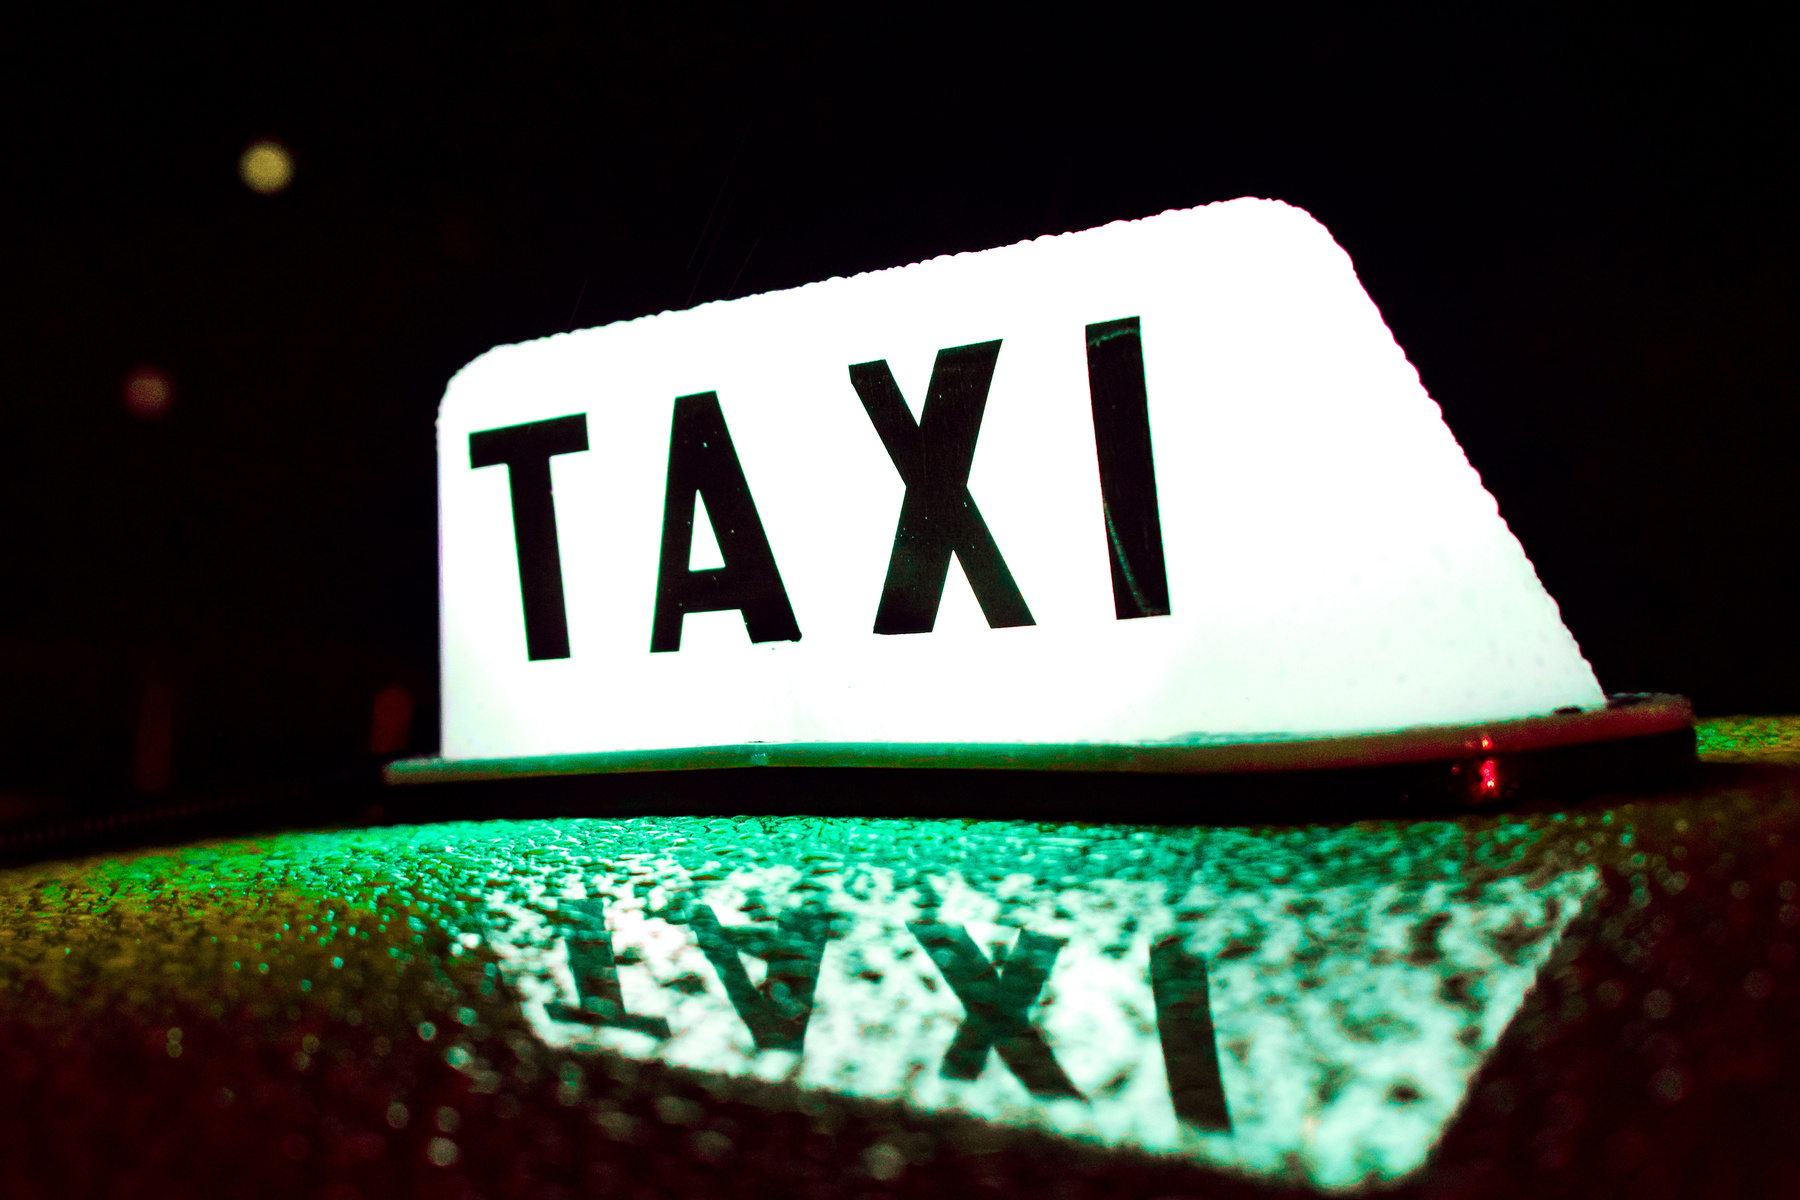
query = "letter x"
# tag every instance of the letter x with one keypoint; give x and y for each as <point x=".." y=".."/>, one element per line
<point x="995" y="1003"/>
<point x="938" y="517"/>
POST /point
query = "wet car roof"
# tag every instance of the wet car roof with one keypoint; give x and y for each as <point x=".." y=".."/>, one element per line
<point x="1592" y="995"/>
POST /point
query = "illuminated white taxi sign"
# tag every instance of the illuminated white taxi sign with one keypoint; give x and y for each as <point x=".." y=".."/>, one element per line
<point x="1165" y="484"/>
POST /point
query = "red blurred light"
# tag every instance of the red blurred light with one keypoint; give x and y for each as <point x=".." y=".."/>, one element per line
<point x="153" y="755"/>
<point x="148" y="392"/>
<point x="390" y="727"/>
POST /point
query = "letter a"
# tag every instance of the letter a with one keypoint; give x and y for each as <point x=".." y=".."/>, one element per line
<point x="703" y="462"/>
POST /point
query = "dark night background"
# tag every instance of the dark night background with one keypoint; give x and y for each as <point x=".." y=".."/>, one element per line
<point x="1577" y="222"/>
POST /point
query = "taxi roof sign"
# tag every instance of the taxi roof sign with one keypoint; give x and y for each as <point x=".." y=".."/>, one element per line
<point x="1140" y="494"/>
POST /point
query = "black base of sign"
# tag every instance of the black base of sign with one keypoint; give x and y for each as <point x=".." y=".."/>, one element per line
<point x="1619" y="717"/>
<point x="1534" y="778"/>
<point x="1655" y="755"/>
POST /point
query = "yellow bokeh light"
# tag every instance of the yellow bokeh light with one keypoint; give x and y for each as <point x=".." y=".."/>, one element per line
<point x="266" y="167"/>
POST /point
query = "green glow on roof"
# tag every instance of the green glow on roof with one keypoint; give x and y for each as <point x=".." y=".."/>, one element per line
<point x="1768" y="739"/>
<point x="1358" y="974"/>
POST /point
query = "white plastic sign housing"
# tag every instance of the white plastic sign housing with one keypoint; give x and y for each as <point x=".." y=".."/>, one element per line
<point x="1165" y="483"/>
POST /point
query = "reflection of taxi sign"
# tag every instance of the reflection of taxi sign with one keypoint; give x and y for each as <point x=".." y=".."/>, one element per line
<point x="1269" y="1004"/>
<point x="1168" y="486"/>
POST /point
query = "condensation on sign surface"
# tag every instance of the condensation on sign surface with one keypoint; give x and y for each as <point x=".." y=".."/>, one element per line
<point x="1184" y="485"/>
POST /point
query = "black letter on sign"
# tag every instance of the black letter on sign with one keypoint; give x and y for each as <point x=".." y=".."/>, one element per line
<point x="702" y="460"/>
<point x="526" y="450"/>
<point x="776" y="1012"/>
<point x="1115" y="356"/>
<point x="597" y="976"/>
<point x="1184" y="1019"/>
<point x="938" y="516"/>
<point x="995" y="1004"/>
